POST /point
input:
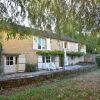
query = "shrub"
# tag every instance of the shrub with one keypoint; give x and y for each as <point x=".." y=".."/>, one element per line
<point x="31" y="68"/>
<point x="98" y="60"/>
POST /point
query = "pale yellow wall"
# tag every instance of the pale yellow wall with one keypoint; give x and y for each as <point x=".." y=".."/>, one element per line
<point x="24" y="46"/>
<point x="32" y="57"/>
<point x="72" y="46"/>
<point x="56" y="44"/>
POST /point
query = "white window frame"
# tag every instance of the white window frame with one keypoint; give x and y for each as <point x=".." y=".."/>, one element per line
<point x="9" y="60"/>
<point x="65" y="43"/>
<point x="41" y="43"/>
<point x="46" y="60"/>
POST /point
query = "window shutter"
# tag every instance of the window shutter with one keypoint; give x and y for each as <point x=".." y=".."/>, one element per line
<point x="35" y="42"/>
<point x="63" y="44"/>
<point x="40" y="62"/>
<point x="48" y="44"/>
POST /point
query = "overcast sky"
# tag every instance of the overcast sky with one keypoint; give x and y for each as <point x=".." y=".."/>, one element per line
<point x="25" y="21"/>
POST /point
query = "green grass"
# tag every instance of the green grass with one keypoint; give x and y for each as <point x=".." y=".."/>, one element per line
<point x="83" y="87"/>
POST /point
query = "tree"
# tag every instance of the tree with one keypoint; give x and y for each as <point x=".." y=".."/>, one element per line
<point x="76" y="18"/>
<point x="65" y="15"/>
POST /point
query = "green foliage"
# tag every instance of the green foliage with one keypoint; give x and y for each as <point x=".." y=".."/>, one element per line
<point x="98" y="61"/>
<point x="98" y="49"/>
<point x="31" y="68"/>
<point x="14" y="30"/>
<point x="91" y="43"/>
<point x="67" y="17"/>
<point x="59" y="52"/>
<point x="72" y="18"/>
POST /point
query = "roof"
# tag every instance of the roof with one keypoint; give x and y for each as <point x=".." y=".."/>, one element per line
<point x="53" y="36"/>
<point x="37" y="32"/>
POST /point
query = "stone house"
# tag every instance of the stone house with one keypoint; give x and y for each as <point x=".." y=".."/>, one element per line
<point x="18" y="52"/>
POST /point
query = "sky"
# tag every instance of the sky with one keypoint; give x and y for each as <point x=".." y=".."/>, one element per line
<point x="25" y="22"/>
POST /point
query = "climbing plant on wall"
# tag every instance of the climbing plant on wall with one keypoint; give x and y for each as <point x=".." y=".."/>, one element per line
<point x="59" y="52"/>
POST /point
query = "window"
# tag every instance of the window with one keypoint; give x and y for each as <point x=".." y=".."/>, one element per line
<point x="43" y="59"/>
<point x="65" y="44"/>
<point x="9" y="60"/>
<point x="47" y="59"/>
<point x="41" y="43"/>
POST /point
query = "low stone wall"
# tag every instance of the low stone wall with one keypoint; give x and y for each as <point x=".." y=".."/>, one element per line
<point x="43" y="77"/>
<point x="90" y="57"/>
<point x="76" y="60"/>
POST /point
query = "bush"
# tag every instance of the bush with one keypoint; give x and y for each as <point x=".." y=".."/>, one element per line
<point x="98" y="60"/>
<point x="31" y="68"/>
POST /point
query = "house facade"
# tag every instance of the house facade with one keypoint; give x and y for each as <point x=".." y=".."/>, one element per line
<point x="18" y="52"/>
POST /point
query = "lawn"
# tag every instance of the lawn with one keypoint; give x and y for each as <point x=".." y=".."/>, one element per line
<point x="82" y="87"/>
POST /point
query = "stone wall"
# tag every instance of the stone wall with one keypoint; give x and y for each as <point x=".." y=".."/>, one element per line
<point x="72" y="47"/>
<point x="75" y="60"/>
<point x="90" y="57"/>
<point x="37" y="79"/>
<point x="55" y="44"/>
<point x="24" y="46"/>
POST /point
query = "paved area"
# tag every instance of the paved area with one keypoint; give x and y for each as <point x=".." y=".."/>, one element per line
<point x="34" y="74"/>
<point x="73" y="67"/>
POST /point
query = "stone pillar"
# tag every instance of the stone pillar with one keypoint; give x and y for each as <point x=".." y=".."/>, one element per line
<point x="65" y="58"/>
